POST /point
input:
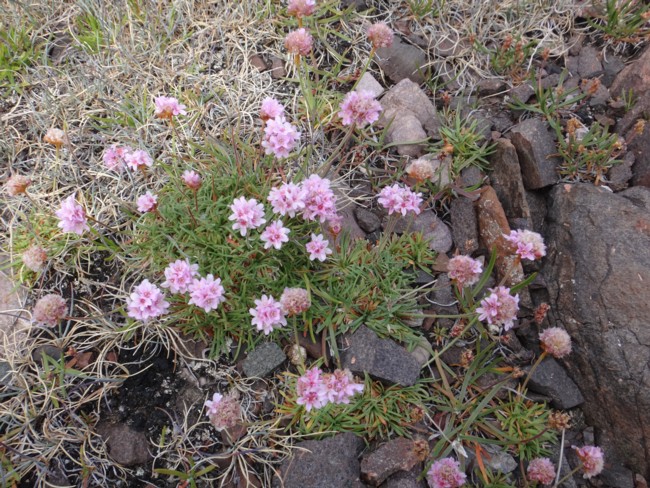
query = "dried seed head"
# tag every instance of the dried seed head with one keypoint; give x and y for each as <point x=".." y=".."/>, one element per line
<point x="559" y="420"/>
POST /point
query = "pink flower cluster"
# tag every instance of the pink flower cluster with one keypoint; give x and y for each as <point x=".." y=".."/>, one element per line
<point x="446" y="473"/>
<point x="268" y="314"/>
<point x="72" y="217"/>
<point x="34" y="258"/>
<point x="400" y="199"/>
<point x="275" y="235"/>
<point x="117" y="158"/>
<point x="223" y="412"/>
<point x="17" y="184"/>
<point x="301" y="8"/>
<point x="316" y="389"/>
<point x="556" y="342"/>
<point x="146" y="302"/>
<point x="380" y="35"/>
<point x="499" y="308"/>
<point x="138" y="159"/>
<point x="247" y="214"/>
<point x="299" y="42"/>
<point x="542" y="470"/>
<point x="179" y="276"/>
<point x="280" y="137"/>
<point x="592" y="458"/>
<point x="295" y="301"/>
<point x="270" y="109"/>
<point x="288" y="199"/>
<point x="191" y="179"/>
<point x="168" y="107"/>
<point x="318" y="248"/>
<point x="206" y="293"/>
<point x="49" y="310"/>
<point x="530" y="245"/>
<point x="359" y="108"/>
<point x="147" y="202"/>
<point x="464" y="270"/>
<point x="313" y="197"/>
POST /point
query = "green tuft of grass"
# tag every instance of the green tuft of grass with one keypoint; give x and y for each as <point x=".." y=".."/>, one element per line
<point x="18" y="51"/>
<point x="622" y="21"/>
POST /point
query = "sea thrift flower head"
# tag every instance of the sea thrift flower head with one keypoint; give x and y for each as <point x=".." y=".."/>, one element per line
<point x="335" y="223"/>
<point x="464" y="270"/>
<point x="446" y="473"/>
<point x="301" y="8"/>
<point x="17" y="184"/>
<point x="556" y="342"/>
<point x="56" y="137"/>
<point x="499" y="308"/>
<point x="270" y="109"/>
<point x="206" y="293"/>
<point x="559" y="420"/>
<point x="593" y="460"/>
<point x="318" y="248"/>
<point x="309" y="389"/>
<point x="72" y="216"/>
<point x="180" y="275"/>
<point x="34" y="258"/>
<point x="225" y="412"/>
<point x="280" y="137"/>
<point x="400" y="199"/>
<point x="138" y="159"/>
<point x="421" y="170"/>
<point x="213" y="405"/>
<point x="295" y="301"/>
<point x="267" y="314"/>
<point x="542" y="470"/>
<point x="168" y="107"/>
<point x="49" y="310"/>
<point x="530" y="245"/>
<point x="288" y="199"/>
<point x="247" y="214"/>
<point x="146" y="302"/>
<point x="299" y="42"/>
<point x="192" y="179"/>
<point x="360" y="108"/>
<point x="339" y="386"/>
<point x="275" y="235"/>
<point x="147" y="202"/>
<point x="114" y="157"/>
<point x="319" y="200"/>
<point x="380" y="35"/>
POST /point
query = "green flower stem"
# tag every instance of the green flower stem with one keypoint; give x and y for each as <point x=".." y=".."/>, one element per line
<point x="324" y="170"/>
<point x="532" y="370"/>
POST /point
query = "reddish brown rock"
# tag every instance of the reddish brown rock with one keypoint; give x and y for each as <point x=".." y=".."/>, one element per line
<point x="399" y="454"/>
<point x="635" y="77"/>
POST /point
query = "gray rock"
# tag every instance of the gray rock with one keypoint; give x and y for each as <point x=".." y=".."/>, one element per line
<point x="404" y="131"/>
<point x="537" y="205"/>
<point x="490" y="86"/>
<point x="368" y="83"/>
<point x="617" y="476"/>
<point x="640" y="147"/>
<point x="499" y="460"/>
<point x="597" y="271"/>
<point x="635" y="76"/>
<point x="571" y="64"/>
<point x="432" y="228"/>
<point x="52" y="352"/>
<point x="401" y="61"/>
<point x="600" y="98"/>
<point x="399" y="454"/>
<point x="406" y="479"/>
<point x="262" y="360"/>
<point x="536" y="150"/>
<point x="126" y="446"/>
<point x="422" y="352"/>
<point x="364" y="352"/>
<point x="589" y="65"/>
<point x="326" y="463"/>
<point x="612" y="66"/>
<point x="464" y="225"/>
<point x="366" y="219"/>
<point x="407" y="97"/>
<point x="471" y="177"/>
<point x="522" y="93"/>
<point x="277" y="68"/>
<point x="6" y="373"/>
<point x="619" y="176"/>
<point x="550" y="379"/>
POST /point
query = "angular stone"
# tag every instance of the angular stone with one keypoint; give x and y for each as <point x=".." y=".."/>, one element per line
<point x="126" y="446"/>
<point x="635" y="76"/>
<point x="506" y="180"/>
<point x="597" y="271"/>
<point x="490" y="86"/>
<point x="326" y="463"/>
<point x="407" y="133"/>
<point x="262" y="360"/>
<point x="550" y="379"/>
<point x="406" y="479"/>
<point x="277" y="68"/>
<point x="536" y="150"/>
<point x="471" y="177"/>
<point x="619" y="176"/>
<point x="258" y="62"/>
<point x="367" y="220"/>
<point x="589" y="65"/>
<point x="408" y="97"/>
<point x="385" y="360"/>
<point x="612" y="66"/>
<point x="432" y="228"/>
<point x="368" y="83"/>
<point x="400" y="61"/>
<point x="464" y="225"/>
<point x="398" y="454"/>
<point x="522" y="93"/>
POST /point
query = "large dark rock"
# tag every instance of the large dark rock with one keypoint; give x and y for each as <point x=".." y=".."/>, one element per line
<point x="598" y="270"/>
<point x="327" y="463"/>
<point x="551" y="380"/>
<point x="635" y="76"/>
<point x="383" y="359"/>
<point x="434" y="230"/>
<point x="396" y="455"/>
<point x="401" y="60"/>
<point x="262" y="360"/>
<point x="464" y="225"/>
<point x="536" y="150"/>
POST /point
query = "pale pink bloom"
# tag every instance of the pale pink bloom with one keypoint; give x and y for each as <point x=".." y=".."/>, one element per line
<point x="556" y="342"/>
<point x="137" y="159"/>
<point x="271" y="109"/>
<point x="206" y="293"/>
<point x="380" y="35"/>
<point x="34" y="258"/>
<point x="542" y="470"/>
<point x="247" y="214"/>
<point x="309" y="389"/>
<point x="299" y="42"/>
<point x="288" y="199"/>
<point x="295" y="301"/>
<point x="146" y="301"/>
<point x="446" y="473"/>
<point x="335" y="223"/>
<point x="17" y="184"/>
<point x="464" y="270"/>
<point x="499" y="308"/>
<point x="192" y="179"/>
<point x="360" y="108"/>
<point x="530" y="245"/>
<point x="147" y="202"/>
<point x="179" y="275"/>
<point x="213" y="405"/>
<point x="49" y="310"/>
<point x="593" y="460"/>
<point x="319" y="200"/>
<point x="223" y="411"/>
<point x="275" y="235"/>
<point x="72" y="216"/>
<point x="339" y="386"/>
<point x="114" y="157"/>
<point x="280" y="137"/>
<point x="318" y="248"/>
<point x="312" y="399"/>
<point x="396" y="198"/>
<point x="301" y="8"/>
<point x="267" y="314"/>
<point x="56" y="137"/>
<point x="168" y="107"/>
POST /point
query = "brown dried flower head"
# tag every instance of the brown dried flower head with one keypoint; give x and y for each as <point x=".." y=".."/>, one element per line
<point x="56" y="137"/>
<point x="540" y="312"/>
<point x="559" y="420"/>
<point x="17" y="184"/>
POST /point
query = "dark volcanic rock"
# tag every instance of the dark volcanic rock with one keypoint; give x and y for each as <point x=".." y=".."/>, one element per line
<point x="262" y="360"/>
<point x="635" y="76"/>
<point x="536" y="149"/>
<point x="367" y="220"/>
<point x="427" y="222"/>
<point x="464" y="225"/>
<point x="406" y="479"/>
<point x="383" y="359"/>
<point x="598" y="270"/>
<point x="401" y="61"/>
<point x="327" y="463"/>
<point x="640" y="147"/>
<point x="589" y="65"/>
<point x="551" y="380"/>
<point x="126" y="446"/>
<point x="399" y="454"/>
